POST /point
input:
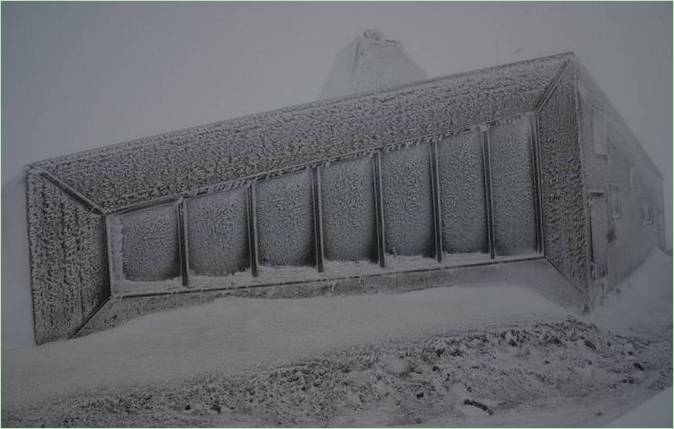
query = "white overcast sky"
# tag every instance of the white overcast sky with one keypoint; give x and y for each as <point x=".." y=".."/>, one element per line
<point x="82" y="75"/>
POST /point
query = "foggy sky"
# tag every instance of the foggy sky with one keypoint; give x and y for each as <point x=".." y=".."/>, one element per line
<point x="81" y="75"/>
<point x="78" y="76"/>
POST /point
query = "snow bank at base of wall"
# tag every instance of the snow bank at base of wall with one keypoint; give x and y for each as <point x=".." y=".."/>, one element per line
<point x="234" y="335"/>
<point x="654" y="413"/>
<point x="642" y="303"/>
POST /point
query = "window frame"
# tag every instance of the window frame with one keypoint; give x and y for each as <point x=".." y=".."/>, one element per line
<point x="615" y="204"/>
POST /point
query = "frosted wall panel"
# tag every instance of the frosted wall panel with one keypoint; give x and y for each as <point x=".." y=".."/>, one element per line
<point x="462" y="194"/>
<point x="513" y="188"/>
<point x="218" y="233"/>
<point x="408" y="213"/>
<point x="285" y="220"/>
<point x="150" y="244"/>
<point x="349" y="225"/>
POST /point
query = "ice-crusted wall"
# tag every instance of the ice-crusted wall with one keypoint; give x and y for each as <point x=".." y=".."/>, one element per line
<point x="348" y="210"/>
<point x="173" y="163"/>
<point x="462" y="197"/>
<point x="218" y="233"/>
<point x="285" y="220"/>
<point x="564" y="210"/>
<point x="613" y="158"/>
<point x="150" y="244"/>
<point x="512" y="174"/>
<point x="265" y="148"/>
<point x="408" y="208"/>
<point x="68" y="260"/>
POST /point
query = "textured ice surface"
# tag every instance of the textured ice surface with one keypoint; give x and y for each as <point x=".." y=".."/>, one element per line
<point x="348" y="210"/>
<point x="564" y="214"/>
<point x="629" y="241"/>
<point x="512" y="187"/>
<point x="218" y="233"/>
<point x="68" y="260"/>
<point x="462" y="199"/>
<point x="182" y="161"/>
<point x="285" y="220"/>
<point x="150" y="243"/>
<point x="408" y="210"/>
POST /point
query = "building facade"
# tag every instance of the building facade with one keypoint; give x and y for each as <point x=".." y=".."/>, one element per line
<point x="526" y="161"/>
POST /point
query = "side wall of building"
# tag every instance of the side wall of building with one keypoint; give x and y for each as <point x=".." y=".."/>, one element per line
<point x="623" y="183"/>
<point x="69" y="267"/>
<point x="564" y="209"/>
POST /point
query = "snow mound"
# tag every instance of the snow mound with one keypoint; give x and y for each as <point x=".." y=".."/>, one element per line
<point x="654" y="413"/>
<point x="236" y="335"/>
<point x="642" y="303"/>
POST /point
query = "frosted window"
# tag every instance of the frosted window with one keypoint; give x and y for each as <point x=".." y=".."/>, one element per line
<point x="614" y="201"/>
<point x="218" y="233"/>
<point x="348" y="210"/>
<point x="646" y="212"/>
<point x="600" y="132"/>
<point x="408" y="214"/>
<point x="150" y="244"/>
<point x="285" y="220"/>
<point x="632" y="177"/>
<point x="513" y="188"/>
<point x="462" y="195"/>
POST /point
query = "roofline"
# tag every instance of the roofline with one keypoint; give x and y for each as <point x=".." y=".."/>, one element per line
<point x="308" y="105"/>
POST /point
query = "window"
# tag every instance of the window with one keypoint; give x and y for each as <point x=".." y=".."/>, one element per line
<point x="599" y="132"/>
<point x="614" y="201"/>
<point x="646" y="212"/>
<point x="632" y="177"/>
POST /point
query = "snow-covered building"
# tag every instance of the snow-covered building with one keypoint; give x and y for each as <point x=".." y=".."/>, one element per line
<point x="525" y="161"/>
<point x="370" y="63"/>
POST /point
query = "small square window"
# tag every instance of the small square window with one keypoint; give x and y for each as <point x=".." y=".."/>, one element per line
<point x="614" y="201"/>
<point x="599" y="132"/>
<point x="646" y="212"/>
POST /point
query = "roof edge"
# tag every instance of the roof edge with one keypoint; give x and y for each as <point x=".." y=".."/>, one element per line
<point x="308" y="105"/>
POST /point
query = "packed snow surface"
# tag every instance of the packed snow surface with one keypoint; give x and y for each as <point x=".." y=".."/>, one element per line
<point x="642" y="303"/>
<point x="656" y="412"/>
<point x="233" y="335"/>
<point x="492" y="355"/>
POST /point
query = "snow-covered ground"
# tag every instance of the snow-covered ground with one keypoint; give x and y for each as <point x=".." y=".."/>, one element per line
<point x="642" y="304"/>
<point x="656" y="412"/>
<point x="496" y="354"/>
<point x="232" y="335"/>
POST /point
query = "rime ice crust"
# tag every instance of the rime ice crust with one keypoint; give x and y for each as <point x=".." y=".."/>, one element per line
<point x="150" y="244"/>
<point x="566" y="242"/>
<point x="221" y="247"/>
<point x="348" y="210"/>
<point x="408" y="212"/>
<point x="512" y="187"/>
<point x="276" y="150"/>
<point x="462" y="200"/>
<point x="632" y="240"/>
<point x="285" y="220"/>
<point x="182" y="161"/>
<point x="69" y="277"/>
